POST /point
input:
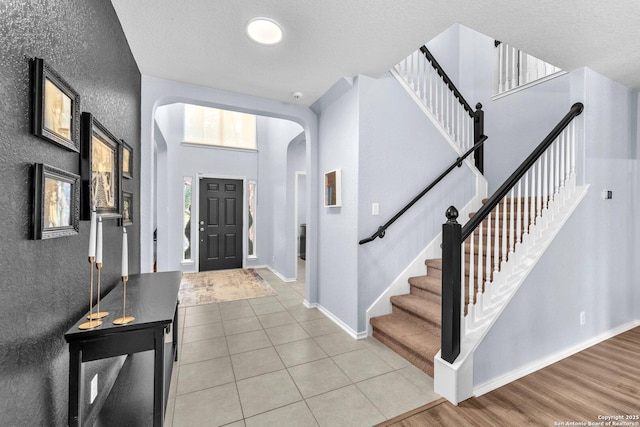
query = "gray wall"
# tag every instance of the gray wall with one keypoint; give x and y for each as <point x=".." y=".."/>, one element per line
<point x="388" y="151"/>
<point x="275" y="137"/>
<point x="45" y="282"/>
<point x="516" y="123"/>
<point x="338" y="226"/>
<point x="400" y="153"/>
<point x="543" y="317"/>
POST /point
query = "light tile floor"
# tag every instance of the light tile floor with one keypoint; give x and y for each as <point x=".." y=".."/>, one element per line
<point x="272" y="362"/>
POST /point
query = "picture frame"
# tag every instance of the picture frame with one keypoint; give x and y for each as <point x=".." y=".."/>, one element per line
<point x="56" y="202"/>
<point x="332" y="189"/>
<point x="55" y="107"/>
<point x="127" y="160"/>
<point x="100" y="170"/>
<point x="127" y="209"/>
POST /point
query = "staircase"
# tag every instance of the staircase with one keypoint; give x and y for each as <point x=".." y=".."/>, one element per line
<point x="413" y="327"/>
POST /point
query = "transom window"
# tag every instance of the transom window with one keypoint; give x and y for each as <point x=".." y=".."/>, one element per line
<point x="221" y="128"/>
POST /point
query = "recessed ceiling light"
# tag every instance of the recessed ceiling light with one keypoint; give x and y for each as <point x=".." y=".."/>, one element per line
<point x="264" y="31"/>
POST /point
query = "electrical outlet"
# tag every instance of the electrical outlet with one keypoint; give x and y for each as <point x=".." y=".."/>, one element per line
<point x="94" y="388"/>
<point x="583" y="318"/>
<point x="375" y="209"/>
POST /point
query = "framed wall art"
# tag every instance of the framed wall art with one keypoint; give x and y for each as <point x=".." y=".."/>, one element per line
<point x="56" y="202"/>
<point x="100" y="170"/>
<point x="332" y="189"/>
<point x="127" y="209"/>
<point x="55" y="107"/>
<point x="127" y="160"/>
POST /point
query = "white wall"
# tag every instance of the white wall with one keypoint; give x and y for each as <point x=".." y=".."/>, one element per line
<point x="591" y="266"/>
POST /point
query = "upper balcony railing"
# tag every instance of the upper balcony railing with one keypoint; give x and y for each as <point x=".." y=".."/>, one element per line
<point x="515" y="69"/>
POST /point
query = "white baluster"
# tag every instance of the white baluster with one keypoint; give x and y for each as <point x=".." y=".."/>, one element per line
<point x="479" y="304"/>
<point x="430" y="73"/>
<point x="545" y="185"/>
<point x="525" y="210"/>
<point x="496" y="243"/>
<point x="487" y="267"/>
<point x="563" y="178"/>
<point x="573" y="157"/>
<point x="532" y="216"/>
<point x="471" y="307"/>
<point x="504" y="233"/>
<point x="539" y="197"/>
<point x="463" y="293"/>
<point x="556" y="175"/>
<point x="511" y="225"/>
<point x="519" y="214"/>
<point x="522" y="69"/>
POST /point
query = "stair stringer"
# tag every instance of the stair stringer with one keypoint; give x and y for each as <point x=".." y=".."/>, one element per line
<point x="400" y="285"/>
<point x="455" y="381"/>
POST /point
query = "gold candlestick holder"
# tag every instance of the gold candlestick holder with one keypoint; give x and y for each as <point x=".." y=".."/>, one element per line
<point x="124" y="319"/>
<point x="99" y="314"/>
<point x="91" y="323"/>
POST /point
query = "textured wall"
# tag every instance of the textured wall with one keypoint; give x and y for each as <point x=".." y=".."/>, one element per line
<point x="44" y="283"/>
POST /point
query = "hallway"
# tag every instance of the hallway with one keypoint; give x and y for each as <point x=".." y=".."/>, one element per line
<point x="271" y="361"/>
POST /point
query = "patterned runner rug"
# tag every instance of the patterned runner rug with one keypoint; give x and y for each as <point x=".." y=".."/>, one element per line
<point x="222" y="285"/>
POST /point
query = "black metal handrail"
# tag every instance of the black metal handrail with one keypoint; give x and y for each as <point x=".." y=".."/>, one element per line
<point x="576" y="110"/>
<point x="477" y="115"/>
<point x="383" y="228"/>
<point x="447" y="80"/>
<point x="453" y="235"/>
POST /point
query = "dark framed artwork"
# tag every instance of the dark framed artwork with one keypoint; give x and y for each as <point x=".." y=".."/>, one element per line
<point x="56" y="202"/>
<point x="100" y="170"/>
<point x="127" y="160"/>
<point x="55" y="107"/>
<point x="127" y="209"/>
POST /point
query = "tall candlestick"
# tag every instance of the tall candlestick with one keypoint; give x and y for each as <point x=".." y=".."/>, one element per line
<point x="99" y="244"/>
<point x="125" y="256"/>
<point x="92" y="235"/>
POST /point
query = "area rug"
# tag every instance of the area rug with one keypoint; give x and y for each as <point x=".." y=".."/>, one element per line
<point x="222" y="285"/>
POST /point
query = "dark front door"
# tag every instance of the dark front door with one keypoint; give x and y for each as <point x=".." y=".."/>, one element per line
<point x="220" y="224"/>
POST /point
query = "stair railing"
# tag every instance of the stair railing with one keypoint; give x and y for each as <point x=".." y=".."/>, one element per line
<point x="458" y="162"/>
<point x="513" y="216"/>
<point x="440" y="95"/>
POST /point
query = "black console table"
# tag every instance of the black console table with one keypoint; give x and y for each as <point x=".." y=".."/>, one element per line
<point x="153" y="300"/>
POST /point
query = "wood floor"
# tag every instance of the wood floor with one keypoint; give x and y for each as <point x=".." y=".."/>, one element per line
<point x="603" y="380"/>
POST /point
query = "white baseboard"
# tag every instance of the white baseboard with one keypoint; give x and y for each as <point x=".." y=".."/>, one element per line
<point x="336" y="320"/>
<point x="549" y="360"/>
<point x="280" y="276"/>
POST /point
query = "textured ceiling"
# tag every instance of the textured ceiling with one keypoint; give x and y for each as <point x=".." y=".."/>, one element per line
<point x="204" y="41"/>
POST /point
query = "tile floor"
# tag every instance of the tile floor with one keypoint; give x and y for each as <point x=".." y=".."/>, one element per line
<point x="272" y="362"/>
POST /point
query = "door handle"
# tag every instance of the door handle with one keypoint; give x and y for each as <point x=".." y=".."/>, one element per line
<point x="201" y="228"/>
<point x="201" y="222"/>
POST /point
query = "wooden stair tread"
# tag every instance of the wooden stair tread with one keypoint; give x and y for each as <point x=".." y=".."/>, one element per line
<point x="421" y="308"/>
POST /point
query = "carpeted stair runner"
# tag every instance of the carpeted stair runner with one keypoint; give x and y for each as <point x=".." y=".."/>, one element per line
<point x="413" y="328"/>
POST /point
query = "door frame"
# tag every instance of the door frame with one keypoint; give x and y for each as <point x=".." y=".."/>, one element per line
<point x="296" y="203"/>
<point x="196" y="206"/>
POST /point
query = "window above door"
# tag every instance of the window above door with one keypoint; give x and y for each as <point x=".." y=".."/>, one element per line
<point x="219" y="128"/>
